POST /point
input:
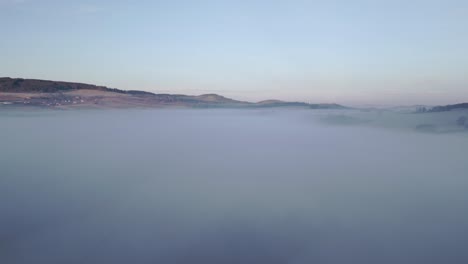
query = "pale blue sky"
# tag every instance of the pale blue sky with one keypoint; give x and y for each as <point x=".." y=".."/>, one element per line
<point x="353" y="52"/>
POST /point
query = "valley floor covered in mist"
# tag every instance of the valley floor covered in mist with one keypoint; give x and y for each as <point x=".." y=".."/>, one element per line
<point x="233" y="186"/>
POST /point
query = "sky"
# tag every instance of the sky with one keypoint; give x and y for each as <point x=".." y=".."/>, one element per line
<point x="357" y="52"/>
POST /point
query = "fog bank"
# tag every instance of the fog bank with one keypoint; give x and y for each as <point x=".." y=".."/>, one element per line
<point x="232" y="186"/>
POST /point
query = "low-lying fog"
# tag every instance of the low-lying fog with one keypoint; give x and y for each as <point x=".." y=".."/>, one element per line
<point x="233" y="186"/>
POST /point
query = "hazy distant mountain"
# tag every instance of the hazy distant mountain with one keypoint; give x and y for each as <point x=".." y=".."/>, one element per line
<point x="58" y="94"/>
<point x="278" y="103"/>
<point x="449" y="107"/>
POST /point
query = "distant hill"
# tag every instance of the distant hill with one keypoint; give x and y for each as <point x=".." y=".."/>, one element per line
<point x="328" y="106"/>
<point x="42" y="86"/>
<point x="59" y="94"/>
<point x="278" y="103"/>
<point x="448" y="107"/>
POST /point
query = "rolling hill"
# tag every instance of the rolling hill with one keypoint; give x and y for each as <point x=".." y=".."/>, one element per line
<point x="59" y="94"/>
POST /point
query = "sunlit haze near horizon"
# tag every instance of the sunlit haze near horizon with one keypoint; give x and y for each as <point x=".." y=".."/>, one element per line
<point x="348" y="52"/>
